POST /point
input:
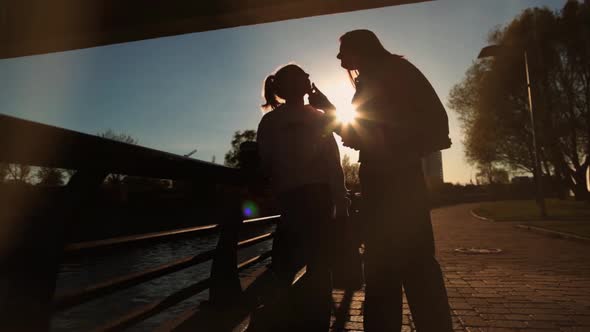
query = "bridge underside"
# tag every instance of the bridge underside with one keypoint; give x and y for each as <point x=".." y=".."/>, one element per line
<point x="29" y="27"/>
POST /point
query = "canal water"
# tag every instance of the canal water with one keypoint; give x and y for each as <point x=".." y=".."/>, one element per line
<point x="85" y="271"/>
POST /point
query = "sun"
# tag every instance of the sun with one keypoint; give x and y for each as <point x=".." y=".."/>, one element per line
<point x="340" y="93"/>
<point x="346" y="114"/>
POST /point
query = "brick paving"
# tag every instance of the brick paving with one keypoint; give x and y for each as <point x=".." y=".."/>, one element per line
<point x="537" y="283"/>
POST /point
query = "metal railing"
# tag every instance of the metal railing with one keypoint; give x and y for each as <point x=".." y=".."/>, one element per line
<point x="35" y="144"/>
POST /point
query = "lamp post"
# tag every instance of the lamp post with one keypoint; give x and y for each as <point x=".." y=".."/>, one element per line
<point x="494" y="50"/>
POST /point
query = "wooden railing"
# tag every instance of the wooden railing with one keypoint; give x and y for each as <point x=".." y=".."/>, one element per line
<point x="30" y="143"/>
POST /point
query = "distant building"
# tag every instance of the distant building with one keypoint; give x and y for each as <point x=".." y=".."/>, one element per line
<point x="433" y="168"/>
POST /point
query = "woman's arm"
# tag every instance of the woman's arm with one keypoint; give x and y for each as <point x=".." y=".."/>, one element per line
<point x="350" y="136"/>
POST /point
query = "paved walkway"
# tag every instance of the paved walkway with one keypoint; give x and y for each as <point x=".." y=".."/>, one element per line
<point x="537" y="283"/>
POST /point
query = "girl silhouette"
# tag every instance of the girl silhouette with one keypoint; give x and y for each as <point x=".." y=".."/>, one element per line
<point x="303" y="162"/>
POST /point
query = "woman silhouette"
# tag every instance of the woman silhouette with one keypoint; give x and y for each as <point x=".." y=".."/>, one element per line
<point x="303" y="163"/>
<point x="401" y="119"/>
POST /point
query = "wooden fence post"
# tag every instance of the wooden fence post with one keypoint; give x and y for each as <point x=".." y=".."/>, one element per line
<point x="225" y="281"/>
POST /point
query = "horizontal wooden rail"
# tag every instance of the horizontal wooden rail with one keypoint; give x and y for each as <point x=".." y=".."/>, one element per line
<point x="76" y="297"/>
<point x="154" y="308"/>
<point x="255" y="240"/>
<point x="263" y="219"/>
<point x="134" y="239"/>
<point x="84" y="247"/>
<point x="254" y="260"/>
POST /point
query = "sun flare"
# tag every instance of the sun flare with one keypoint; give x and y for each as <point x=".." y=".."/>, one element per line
<point x="346" y="114"/>
<point x="340" y="93"/>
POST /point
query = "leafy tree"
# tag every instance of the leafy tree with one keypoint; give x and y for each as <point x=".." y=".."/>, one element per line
<point x="48" y="176"/>
<point x="121" y="137"/>
<point x="231" y="157"/>
<point x="492" y="101"/>
<point x="351" y="173"/>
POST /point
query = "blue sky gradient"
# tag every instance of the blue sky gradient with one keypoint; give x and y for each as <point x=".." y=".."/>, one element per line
<point x="193" y="91"/>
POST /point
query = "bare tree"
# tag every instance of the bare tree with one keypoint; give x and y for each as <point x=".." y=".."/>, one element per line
<point x="19" y="173"/>
<point x="50" y="176"/>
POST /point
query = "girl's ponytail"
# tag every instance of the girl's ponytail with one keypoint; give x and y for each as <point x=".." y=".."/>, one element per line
<point x="270" y="93"/>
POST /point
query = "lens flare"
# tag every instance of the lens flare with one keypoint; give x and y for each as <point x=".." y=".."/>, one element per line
<point x="346" y="115"/>
<point x="340" y="93"/>
<point x="249" y="209"/>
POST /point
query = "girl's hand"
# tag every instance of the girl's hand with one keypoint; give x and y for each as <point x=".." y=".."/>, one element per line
<point x="319" y="100"/>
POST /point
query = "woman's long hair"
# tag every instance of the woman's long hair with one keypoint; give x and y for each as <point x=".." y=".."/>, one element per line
<point x="353" y="77"/>
<point x="366" y="45"/>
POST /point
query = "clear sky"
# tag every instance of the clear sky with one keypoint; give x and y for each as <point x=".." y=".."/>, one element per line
<point x="193" y="91"/>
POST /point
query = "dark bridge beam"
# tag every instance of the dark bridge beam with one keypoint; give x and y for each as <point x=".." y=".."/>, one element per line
<point x="37" y="144"/>
<point x="29" y="27"/>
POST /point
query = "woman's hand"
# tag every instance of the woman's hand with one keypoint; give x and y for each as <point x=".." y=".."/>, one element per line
<point x="358" y="139"/>
<point x="350" y="140"/>
<point x="350" y="137"/>
<point x="319" y="100"/>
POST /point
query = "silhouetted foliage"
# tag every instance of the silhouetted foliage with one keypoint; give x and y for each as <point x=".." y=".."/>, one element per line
<point x="231" y="157"/>
<point x="121" y="137"/>
<point x="492" y="101"/>
<point x="48" y="176"/>
<point x="351" y="173"/>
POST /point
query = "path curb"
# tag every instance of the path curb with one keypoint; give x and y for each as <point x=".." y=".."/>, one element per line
<point x="549" y="232"/>
<point x="536" y="229"/>
<point x="477" y="216"/>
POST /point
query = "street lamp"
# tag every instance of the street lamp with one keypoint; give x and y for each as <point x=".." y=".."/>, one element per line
<point x="494" y="50"/>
